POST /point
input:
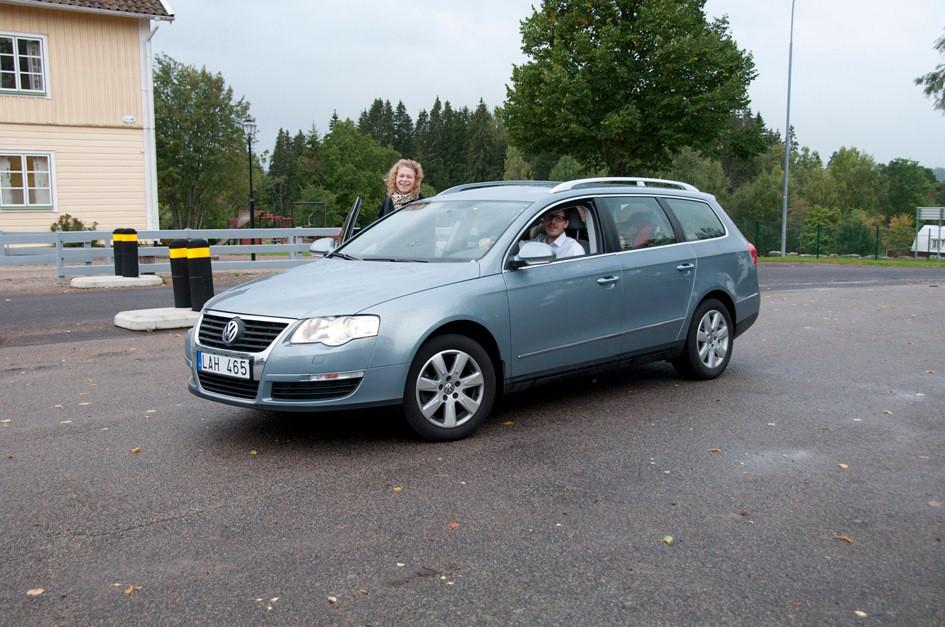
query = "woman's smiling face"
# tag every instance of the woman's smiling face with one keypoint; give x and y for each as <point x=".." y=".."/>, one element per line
<point x="405" y="179"/>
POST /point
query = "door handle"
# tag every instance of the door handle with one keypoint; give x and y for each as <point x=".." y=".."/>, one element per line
<point x="685" y="267"/>
<point x="607" y="280"/>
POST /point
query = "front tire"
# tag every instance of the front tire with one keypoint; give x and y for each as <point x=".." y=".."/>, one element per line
<point x="450" y="388"/>
<point x="709" y="342"/>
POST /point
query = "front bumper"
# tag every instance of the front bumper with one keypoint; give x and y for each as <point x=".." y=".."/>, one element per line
<point x="301" y="377"/>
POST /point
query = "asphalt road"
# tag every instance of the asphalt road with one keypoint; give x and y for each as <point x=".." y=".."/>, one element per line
<point x="805" y="485"/>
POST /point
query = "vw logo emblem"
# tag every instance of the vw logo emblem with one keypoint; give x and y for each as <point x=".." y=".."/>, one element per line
<point x="232" y="331"/>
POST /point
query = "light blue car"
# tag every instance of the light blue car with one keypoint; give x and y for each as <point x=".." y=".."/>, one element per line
<point x="480" y="290"/>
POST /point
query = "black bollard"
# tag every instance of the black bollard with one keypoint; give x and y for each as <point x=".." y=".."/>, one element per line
<point x="200" y="274"/>
<point x="129" y="261"/>
<point x="177" y="251"/>
<point x="118" y="247"/>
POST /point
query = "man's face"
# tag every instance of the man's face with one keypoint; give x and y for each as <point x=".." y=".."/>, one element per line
<point x="554" y="224"/>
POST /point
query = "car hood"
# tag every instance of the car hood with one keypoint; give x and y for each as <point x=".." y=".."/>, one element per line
<point x="332" y="286"/>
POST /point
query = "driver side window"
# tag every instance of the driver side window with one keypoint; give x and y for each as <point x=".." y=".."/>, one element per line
<point x="568" y="229"/>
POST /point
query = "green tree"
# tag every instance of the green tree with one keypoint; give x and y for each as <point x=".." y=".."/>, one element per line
<point x="742" y="140"/>
<point x="704" y="172"/>
<point x="909" y="186"/>
<point x="485" y="152"/>
<point x="567" y="169"/>
<point x="933" y="83"/>
<point x="201" y="148"/>
<point x="403" y="131"/>
<point x="354" y="164"/>
<point x="624" y="83"/>
<point x="857" y="182"/>
<point x="516" y="168"/>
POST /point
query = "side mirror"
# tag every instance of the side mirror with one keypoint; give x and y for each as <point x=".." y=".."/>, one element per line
<point x="322" y="247"/>
<point x="533" y="254"/>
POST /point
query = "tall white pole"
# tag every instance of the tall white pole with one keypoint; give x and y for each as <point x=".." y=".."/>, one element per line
<point x="787" y="139"/>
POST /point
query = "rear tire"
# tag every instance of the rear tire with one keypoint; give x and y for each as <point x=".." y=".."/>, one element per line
<point x="709" y="342"/>
<point x="450" y="388"/>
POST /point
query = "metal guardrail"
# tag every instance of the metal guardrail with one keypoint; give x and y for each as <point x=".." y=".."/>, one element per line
<point x="49" y="248"/>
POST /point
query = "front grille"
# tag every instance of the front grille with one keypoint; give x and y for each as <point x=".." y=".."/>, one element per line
<point x="228" y="386"/>
<point x="256" y="337"/>
<point x="313" y="390"/>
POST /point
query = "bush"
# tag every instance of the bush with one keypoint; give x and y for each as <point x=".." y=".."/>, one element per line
<point x="67" y="223"/>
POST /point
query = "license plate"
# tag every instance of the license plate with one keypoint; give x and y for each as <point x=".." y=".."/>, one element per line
<point x="221" y="364"/>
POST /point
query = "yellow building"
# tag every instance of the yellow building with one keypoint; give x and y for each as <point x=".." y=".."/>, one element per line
<point x="77" y="113"/>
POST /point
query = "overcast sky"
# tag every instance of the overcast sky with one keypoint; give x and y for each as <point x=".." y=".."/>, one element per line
<point x="296" y="61"/>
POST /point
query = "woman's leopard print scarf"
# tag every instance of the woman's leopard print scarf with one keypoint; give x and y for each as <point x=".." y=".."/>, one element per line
<point x="401" y="198"/>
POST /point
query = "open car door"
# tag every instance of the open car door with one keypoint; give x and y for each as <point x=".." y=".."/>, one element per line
<point x="351" y="221"/>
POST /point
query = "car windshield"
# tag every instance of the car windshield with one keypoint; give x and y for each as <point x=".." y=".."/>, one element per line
<point x="435" y="230"/>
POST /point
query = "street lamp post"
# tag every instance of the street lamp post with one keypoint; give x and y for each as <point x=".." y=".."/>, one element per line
<point x="249" y="127"/>
<point x="787" y="139"/>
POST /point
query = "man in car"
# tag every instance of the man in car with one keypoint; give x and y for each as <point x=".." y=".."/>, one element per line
<point x="553" y="225"/>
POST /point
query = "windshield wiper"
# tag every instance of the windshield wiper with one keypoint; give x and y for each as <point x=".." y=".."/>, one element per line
<point x="397" y="259"/>
<point x="345" y="256"/>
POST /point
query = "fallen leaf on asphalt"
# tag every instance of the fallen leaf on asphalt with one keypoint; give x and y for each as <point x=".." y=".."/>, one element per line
<point x="151" y="411"/>
<point x="714" y="450"/>
<point x="35" y="592"/>
<point x="860" y="613"/>
<point x="929" y="372"/>
<point x="253" y="453"/>
<point x="453" y="525"/>
<point x="5" y="421"/>
<point x="668" y="540"/>
<point x="397" y="488"/>
<point x="58" y="406"/>
<point x="273" y="599"/>
<point x="887" y="412"/>
<point x="843" y="466"/>
<point x="843" y="539"/>
<point x="935" y="503"/>
<point x="919" y="394"/>
<point x="130" y="589"/>
<point x="65" y="422"/>
<point x="508" y="423"/>
<point x="362" y="590"/>
<point x="332" y="600"/>
<point x="117" y="584"/>
<point x="772" y="424"/>
<point x="400" y="564"/>
<point x="84" y="403"/>
<point x="136" y="450"/>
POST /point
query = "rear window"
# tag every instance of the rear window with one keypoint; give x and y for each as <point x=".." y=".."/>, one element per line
<point x="697" y="219"/>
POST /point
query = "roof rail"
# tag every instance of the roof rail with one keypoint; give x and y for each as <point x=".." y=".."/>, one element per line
<point x="634" y="180"/>
<point x="482" y="184"/>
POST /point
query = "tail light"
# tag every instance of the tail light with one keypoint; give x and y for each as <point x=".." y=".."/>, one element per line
<point x="754" y="253"/>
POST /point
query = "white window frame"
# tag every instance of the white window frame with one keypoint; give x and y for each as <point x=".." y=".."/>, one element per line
<point x="44" y="58"/>
<point x="23" y="154"/>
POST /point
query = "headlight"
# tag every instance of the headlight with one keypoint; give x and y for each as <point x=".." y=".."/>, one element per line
<point x="335" y="331"/>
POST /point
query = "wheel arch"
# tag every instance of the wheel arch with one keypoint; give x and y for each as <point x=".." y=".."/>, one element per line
<point x="481" y="335"/>
<point x="723" y="297"/>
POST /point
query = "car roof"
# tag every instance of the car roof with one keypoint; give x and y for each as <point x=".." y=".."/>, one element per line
<point x="532" y="191"/>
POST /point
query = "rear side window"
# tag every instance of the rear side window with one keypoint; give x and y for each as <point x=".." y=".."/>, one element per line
<point x="640" y="221"/>
<point x="697" y="219"/>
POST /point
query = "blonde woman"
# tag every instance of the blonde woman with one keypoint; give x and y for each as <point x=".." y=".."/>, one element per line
<point x="403" y="186"/>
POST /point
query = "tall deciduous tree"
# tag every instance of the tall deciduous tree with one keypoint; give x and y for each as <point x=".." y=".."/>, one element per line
<point x="624" y="83"/>
<point x="933" y="83"/>
<point x="354" y="164"/>
<point x="201" y="148"/>
<point x="909" y="186"/>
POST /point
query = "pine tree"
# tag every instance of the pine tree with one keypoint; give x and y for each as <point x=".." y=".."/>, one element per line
<point x="403" y="131"/>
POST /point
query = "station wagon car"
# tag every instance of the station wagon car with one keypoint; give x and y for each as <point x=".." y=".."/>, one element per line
<point x="452" y="300"/>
